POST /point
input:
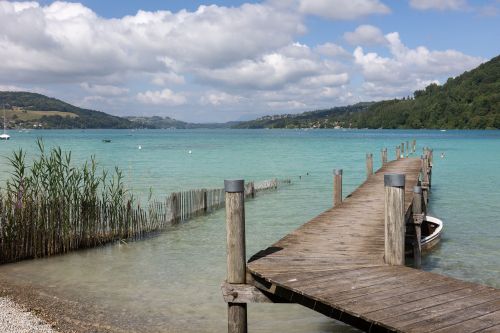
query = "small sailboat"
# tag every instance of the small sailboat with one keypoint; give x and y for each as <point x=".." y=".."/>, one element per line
<point x="4" y="135"/>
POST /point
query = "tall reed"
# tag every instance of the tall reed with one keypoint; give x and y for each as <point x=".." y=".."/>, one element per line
<point x="53" y="207"/>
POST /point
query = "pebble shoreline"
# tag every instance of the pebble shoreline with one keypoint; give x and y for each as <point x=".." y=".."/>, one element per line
<point x="13" y="319"/>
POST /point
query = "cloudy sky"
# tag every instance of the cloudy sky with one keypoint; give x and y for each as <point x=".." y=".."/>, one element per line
<point x="229" y="60"/>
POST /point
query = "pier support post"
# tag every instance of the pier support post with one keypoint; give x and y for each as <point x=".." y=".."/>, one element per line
<point x="398" y="153"/>
<point x="369" y="165"/>
<point x="337" y="187"/>
<point x="394" y="186"/>
<point x="403" y="149"/>
<point x="236" y="256"/>
<point x="425" y="177"/>
<point x="418" y="218"/>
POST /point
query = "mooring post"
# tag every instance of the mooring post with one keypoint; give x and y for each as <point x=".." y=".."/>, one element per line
<point x="394" y="185"/>
<point x="407" y="148"/>
<point x="369" y="165"/>
<point x="382" y="159"/>
<point x="337" y="187"/>
<point x="418" y="218"/>
<point x="236" y="256"/>
<point x="430" y="157"/>
<point x="403" y="149"/>
<point x="398" y="153"/>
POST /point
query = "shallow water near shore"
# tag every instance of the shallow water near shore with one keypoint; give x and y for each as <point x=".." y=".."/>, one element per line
<point x="171" y="281"/>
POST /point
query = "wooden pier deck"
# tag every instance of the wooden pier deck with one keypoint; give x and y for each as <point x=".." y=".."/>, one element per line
<point x="334" y="264"/>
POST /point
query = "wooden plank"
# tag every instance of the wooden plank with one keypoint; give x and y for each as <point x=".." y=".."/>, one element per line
<point x="243" y="293"/>
<point x="475" y="317"/>
<point x="460" y="300"/>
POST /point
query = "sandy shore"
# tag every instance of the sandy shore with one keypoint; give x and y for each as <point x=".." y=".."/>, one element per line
<point x="15" y="319"/>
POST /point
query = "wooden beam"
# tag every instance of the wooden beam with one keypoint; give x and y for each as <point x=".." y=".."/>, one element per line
<point x="243" y="293"/>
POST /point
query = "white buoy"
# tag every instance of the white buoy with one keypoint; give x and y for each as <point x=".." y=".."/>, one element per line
<point x="189" y="152"/>
<point x="140" y="147"/>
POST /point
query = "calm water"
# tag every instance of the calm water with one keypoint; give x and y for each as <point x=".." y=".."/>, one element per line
<point x="171" y="282"/>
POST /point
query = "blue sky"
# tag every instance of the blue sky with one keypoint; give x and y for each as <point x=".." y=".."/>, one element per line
<point x="227" y="60"/>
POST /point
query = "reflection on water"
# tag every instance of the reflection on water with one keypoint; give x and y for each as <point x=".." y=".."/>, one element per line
<point x="171" y="282"/>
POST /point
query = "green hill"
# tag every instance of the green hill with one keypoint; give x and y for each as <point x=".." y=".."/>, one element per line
<point x="25" y="109"/>
<point x="468" y="101"/>
<point x="471" y="100"/>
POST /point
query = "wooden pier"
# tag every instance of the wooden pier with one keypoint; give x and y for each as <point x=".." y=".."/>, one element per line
<point x="336" y="264"/>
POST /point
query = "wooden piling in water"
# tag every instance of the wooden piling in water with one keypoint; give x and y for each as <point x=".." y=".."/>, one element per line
<point x="369" y="165"/>
<point x="425" y="178"/>
<point x="236" y="256"/>
<point x="394" y="186"/>
<point x="398" y="152"/>
<point x="337" y="187"/>
<point x="418" y="218"/>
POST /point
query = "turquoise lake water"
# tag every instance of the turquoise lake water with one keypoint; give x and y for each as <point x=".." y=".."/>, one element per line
<point x="172" y="282"/>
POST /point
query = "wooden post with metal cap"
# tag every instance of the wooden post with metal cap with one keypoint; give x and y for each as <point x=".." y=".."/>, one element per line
<point x="394" y="186"/>
<point x="236" y="255"/>
<point x="337" y="187"/>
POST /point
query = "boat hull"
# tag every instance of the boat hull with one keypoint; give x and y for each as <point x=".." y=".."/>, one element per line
<point x="432" y="228"/>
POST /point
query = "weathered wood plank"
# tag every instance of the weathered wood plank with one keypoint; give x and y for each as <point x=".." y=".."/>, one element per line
<point x="243" y="293"/>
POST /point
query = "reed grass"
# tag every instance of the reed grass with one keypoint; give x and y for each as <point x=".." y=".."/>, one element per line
<point x="52" y="207"/>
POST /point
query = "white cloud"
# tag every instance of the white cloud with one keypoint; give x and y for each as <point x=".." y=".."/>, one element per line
<point x="408" y="69"/>
<point x="327" y="80"/>
<point x="67" y="41"/>
<point x="343" y="9"/>
<point x="9" y="87"/>
<point x="220" y="98"/>
<point x="365" y="35"/>
<point x="332" y="50"/>
<point x="439" y="4"/>
<point x="271" y="71"/>
<point x="104" y="90"/>
<point x="163" y="97"/>
<point x="287" y="105"/>
<point x="161" y="79"/>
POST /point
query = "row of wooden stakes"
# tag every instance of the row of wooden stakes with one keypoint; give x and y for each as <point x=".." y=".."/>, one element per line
<point x="40" y="228"/>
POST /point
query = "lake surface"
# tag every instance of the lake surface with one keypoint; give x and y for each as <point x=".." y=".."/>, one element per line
<point x="171" y="282"/>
